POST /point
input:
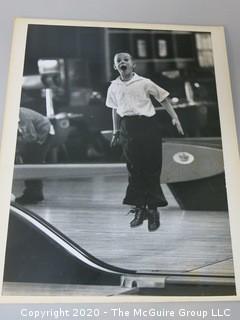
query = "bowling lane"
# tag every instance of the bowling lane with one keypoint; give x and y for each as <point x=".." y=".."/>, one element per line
<point x="45" y="289"/>
<point x="89" y="211"/>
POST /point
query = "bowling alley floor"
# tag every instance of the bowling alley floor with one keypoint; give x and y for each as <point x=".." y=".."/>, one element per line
<point x="89" y="211"/>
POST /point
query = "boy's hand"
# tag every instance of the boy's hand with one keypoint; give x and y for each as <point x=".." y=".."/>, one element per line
<point x="115" y="139"/>
<point x="177" y="123"/>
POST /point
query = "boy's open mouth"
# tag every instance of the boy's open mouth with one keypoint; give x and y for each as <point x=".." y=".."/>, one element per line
<point x="123" y="67"/>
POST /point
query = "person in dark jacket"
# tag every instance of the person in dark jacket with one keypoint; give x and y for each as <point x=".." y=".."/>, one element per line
<point x="33" y="143"/>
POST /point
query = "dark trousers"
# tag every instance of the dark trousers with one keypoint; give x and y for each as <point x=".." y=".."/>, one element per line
<point x="142" y="148"/>
<point x="34" y="153"/>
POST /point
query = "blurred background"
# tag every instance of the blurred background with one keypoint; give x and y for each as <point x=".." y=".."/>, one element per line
<point x="76" y="65"/>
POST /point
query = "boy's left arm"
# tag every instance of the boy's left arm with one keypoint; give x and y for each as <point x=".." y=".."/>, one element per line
<point x="160" y="95"/>
<point x="175" y="121"/>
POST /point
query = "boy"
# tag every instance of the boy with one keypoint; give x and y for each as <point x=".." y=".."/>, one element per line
<point x="136" y="127"/>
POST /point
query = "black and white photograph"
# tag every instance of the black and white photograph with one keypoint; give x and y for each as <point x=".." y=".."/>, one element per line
<point x="119" y="184"/>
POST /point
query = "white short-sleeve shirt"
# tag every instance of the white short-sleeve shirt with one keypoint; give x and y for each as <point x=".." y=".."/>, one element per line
<point x="133" y="97"/>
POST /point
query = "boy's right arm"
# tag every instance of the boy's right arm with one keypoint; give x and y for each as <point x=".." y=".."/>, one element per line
<point x="111" y="103"/>
<point x="115" y="119"/>
<point x="115" y="137"/>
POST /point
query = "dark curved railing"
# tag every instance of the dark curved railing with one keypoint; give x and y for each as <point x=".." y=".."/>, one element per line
<point x="39" y="253"/>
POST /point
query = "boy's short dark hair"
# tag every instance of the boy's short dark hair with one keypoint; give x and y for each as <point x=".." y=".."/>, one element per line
<point x="124" y="52"/>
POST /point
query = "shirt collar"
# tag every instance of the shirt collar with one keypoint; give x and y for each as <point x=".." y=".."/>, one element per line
<point x="135" y="78"/>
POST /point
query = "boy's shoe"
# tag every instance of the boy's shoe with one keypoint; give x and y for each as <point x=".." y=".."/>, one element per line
<point x="153" y="219"/>
<point x="163" y="203"/>
<point x="27" y="199"/>
<point x="140" y="216"/>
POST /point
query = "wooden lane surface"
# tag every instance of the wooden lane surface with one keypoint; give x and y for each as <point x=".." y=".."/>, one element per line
<point x="89" y="211"/>
<point x="45" y="289"/>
